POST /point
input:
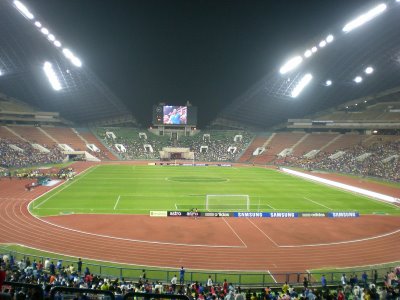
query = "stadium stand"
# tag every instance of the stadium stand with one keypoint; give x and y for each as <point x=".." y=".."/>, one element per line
<point x="314" y="141"/>
<point x="278" y="143"/>
<point x="45" y="274"/>
<point x="257" y="142"/>
<point x="378" y="158"/>
<point x="207" y="146"/>
<point x="21" y="154"/>
<point x="33" y="134"/>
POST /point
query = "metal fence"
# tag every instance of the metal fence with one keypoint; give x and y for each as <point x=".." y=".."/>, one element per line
<point x="236" y="278"/>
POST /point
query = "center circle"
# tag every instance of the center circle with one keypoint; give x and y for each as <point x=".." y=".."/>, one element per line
<point x="197" y="179"/>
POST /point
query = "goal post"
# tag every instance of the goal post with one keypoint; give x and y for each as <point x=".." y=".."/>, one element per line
<point x="228" y="202"/>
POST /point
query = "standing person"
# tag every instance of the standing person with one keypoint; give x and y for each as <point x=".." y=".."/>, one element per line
<point x="323" y="281"/>
<point x="182" y="276"/>
<point x="364" y="278"/>
<point x="305" y="283"/>
<point x="375" y="276"/>
<point x="196" y="213"/>
<point x="79" y="266"/>
<point x="174" y="281"/>
<point x="343" y="279"/>
<point x="209" y="283"/>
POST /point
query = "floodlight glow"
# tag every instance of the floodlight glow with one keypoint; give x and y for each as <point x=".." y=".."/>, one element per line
<point x="322" y="44"/>
<point x="1" y="72"/>
<point x="51" y="37"/>
<point x="301" y="85"/>
<point x="45" y="31"/>
<point x="51" y="76"/>
<point x="57" y="44"/>
<point x="308" y="53"/>
<point x="76" y="61"/>
<point x="38" y="24"/>
<point x="329" y="38"/>
<point x="364" y="18"/>
<point x="369" y="70"/>
<point x="328" y="82"/>
<point x="68" y="54"/>
<point x="358" y="79"/>
<point x="23" y="10"/>
<point x="291" y="64"/>
<point x="314" y="49"/>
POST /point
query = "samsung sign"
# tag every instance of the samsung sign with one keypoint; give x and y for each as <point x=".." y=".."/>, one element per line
<point x="343" y="215"/>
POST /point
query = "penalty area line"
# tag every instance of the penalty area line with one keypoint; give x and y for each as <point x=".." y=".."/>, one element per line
<point x="315" y="202"/>
<point x="272" y="276"/>
<point x="116" y="203"/>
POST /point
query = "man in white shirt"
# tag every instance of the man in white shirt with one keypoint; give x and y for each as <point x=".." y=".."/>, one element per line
<point x="209" y="283"/>
<point x="174" y="280"/>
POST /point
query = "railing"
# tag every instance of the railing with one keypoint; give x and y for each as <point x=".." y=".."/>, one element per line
<point x="237" y="278"/>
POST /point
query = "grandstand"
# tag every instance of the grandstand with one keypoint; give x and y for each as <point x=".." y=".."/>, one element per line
<point x="305" y="183"/>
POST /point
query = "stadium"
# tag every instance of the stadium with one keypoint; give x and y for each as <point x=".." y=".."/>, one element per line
<point x="285" y="184"/>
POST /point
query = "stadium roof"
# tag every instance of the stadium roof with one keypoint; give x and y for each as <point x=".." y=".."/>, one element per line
<point x="370" y="51"/>
<point x="28" y="48"/>
<point x="67" y="85"/>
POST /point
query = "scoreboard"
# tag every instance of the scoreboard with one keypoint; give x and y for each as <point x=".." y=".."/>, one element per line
<point x="174" y="115"/>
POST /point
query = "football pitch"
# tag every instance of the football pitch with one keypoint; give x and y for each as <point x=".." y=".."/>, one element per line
<point x="129" y="189"/>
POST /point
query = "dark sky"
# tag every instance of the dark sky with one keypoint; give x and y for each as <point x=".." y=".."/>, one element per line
<point x="207" y="52"/>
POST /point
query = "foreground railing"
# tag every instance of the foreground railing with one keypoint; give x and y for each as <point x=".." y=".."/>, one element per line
<point x="236" y="278"/>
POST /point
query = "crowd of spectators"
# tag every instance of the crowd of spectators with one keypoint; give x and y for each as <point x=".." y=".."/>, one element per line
<point x="29" y="156"/>
<point x="49" y="274"/>
<point x="217" y="144"/>
<point x="373" y="165"/>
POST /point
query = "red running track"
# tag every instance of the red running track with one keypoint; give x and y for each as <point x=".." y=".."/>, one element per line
<point x="221" y="243"/>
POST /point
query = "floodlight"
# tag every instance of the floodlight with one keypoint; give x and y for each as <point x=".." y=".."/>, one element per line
<point x="51" y="76"/>
<point x="369" y="70"/>
<point x="1" y="72"/>
<point x="329" y="38"/>
<point x="301" y="85"/>
<point x="45" y="31"/>
<point x="57" y="43"/>
<point x="364" y="18"/>
<point x="23" y="10"/>
<point x="314" y="49"/>
<point x="308" y="53"/>
<point x="76" y="61"/>
<point x="328" y="82"/>
<point x="322" y="44"/>
<point x="291" y="64"/>
<point x="358" y="79"/>
<point x="38" y="24"/>
<point x="68" y="54"/>
<point x="51" y="37"/>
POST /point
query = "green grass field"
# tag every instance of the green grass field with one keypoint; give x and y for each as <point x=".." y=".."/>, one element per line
<point x="128" y="189"/>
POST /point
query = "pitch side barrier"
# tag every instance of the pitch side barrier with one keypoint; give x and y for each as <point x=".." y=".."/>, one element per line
<point x="177" y="213"/>
<point x="191" y="164"/>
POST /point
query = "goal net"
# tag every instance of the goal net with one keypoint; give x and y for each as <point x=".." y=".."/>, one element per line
<point x="228" y="202"/>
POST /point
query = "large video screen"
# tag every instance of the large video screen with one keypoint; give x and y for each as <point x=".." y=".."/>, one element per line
<point x="175" y="115"/>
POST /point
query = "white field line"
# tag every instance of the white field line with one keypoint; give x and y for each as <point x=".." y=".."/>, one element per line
<point x="233" y="230"/>
<point x="270" y="206"/>
<point x="134" y="240"/>
<point x="342" y="186"/>
<point x="272" y="276"/>
<point x="315" y="202"/>
<point x="120" y="263"/>
<point x="266" y="235"/>
<point x="116" y="202"/>
<point x="344" y="242"/>
<point x="71" y="182"/>
<point x="176" y="206"/>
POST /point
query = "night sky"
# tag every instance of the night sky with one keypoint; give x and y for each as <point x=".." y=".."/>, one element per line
<point x="207" y="52"/>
